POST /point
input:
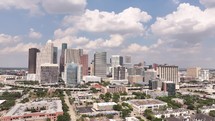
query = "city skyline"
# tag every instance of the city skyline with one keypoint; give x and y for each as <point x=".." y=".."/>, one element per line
<point x="177" y="32"/>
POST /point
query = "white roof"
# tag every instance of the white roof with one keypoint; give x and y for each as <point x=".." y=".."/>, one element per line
<point x="2" y="101"/>
<point x="106" y="103"/>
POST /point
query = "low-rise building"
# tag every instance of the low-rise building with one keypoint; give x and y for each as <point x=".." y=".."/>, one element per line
<point x="171" y="112"/>
<point x="140" y="105"/>
<point x="11" y="91"/>
<point x="131" y="119"/>
<point x="106" y="106"/>
<point x="207" y="109"/>
<point x="82" y="97"/>
<point x="114" y="89"/>
<point x="91" y="79"/>
<point x="34" y="111"/>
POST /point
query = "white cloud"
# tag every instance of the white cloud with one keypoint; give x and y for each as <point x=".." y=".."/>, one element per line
<point x="36" y="7"/>
<point x="186" y="27"/>
<point x="8" y="39"/>
<point x="64" y="6"/>
<point x="31" y="5"/>
<point x="129" y="21"/>
<point x="21" y="47"/>
<point x="34" y="35"/>
<point x="208" y="3"/>
<point x="135" y="48"/>
<point x="176" y="2"/>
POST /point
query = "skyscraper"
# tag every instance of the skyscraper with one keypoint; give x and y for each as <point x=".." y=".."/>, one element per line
<point x="55" y="55"/>
<point x="119" y="73"/>
<point x="44" y="56"/>
<point x="84" y="63"/>
<point x="49" y="73"/>
<point x="72" y="55"/>
<point x="62" y="57"/>
<point x="32" y="59"/>
<point x="72" y="74"/>
<point x="116" y="60"/>
<point x="100" y="63"/>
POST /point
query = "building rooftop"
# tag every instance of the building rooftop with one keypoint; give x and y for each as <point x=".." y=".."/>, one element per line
<point x="52" y="106"/>
<point x="140" y="102"/>
<point x="106" y="104"/>
<point x="2" y="101"/>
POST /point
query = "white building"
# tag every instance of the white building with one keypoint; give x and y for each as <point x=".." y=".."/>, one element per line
<point x="131" y="119"/>
<point x="204" y="75"/>
<point x="207" y="109"/>
<point x="91" y="79"/>
<point x="119" y="82"/>
<point x="46" y="55"/>
<point x="172" y="112"/>
<point x="42" y="110"/>
<point x="106" y="106"/>
<point x="140" y="105"/>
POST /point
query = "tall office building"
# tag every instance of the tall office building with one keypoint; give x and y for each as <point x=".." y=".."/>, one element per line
<point x="62" y="57"/>
<point x="49" y="74"/>
<point x="44" y="56"/>
<point x="193" y="72"/>
<point x="169" y="87"/>
<point x="84" y="63"/>
<point x="100" y="63"/>
<point x="92" y="68"/>
<point x="32" y="59"/>
<point x="119" y="73"/>
<point x="72" y="55"/>
<point x="72" y="74"/>
<point x="55" y="55"/>
<point x="116" y="60"/>
<point x="168" y="73"/>
<point x="149" y="74"/>
<point x="127" y="59"/>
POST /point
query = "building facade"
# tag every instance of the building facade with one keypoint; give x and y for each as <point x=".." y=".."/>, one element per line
<point x="72" y="55"/>
<point x="62" y="57"/>
<point x="32" y="59"/>
<point x="72" y="74"/>
<point x="84" y="63"/>
<point x="49" y="74"/>
<point x="100" y="63"/>
<point x="119" y="73"/>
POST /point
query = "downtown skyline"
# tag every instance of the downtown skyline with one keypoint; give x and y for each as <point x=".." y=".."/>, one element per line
<point x="176" y="32"/>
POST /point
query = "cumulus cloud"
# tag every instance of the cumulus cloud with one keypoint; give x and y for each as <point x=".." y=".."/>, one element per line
<point x="8" y="39"/>
<point x="186" y="27"/>
<point x="208" y="3"/>
<point x="64" y="6"/>
<point x="34" y="35"/>
<point x="20" y="47"/>
<point x="129" y="21"/>
<point x="56" y="7"/>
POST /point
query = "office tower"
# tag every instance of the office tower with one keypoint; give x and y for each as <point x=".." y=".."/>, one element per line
<point x="49" y="74"/>
<point x="84" y="63"/>
<point x="44" y="56"/>
<point x="92" y="68"/>
<point x="169" y="87"/>
<point x="136" y="71"/>
<point x="119" y="73"/>
<point x="149" y="74"/>
<point x="116" y="60"/>
<point x="32" y="59"/>
<point x="193" y="72"/>
<point x="153" y="84"/>
<point x="168" y="73"/>
<point x="204" y="75"/>
<point x="72" y="74"/>
<point x="62" y="57"/>
<point x="72" y="55"/>
<point x="100" y="63"/>
<point x="55" y="55"/>
<point x="127" y="62"/>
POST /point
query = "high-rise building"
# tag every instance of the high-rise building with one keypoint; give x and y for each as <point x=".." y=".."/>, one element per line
<point x="153" y="84"/>
<point x="84" y="63"/>
<point x="116" y="60"/>
<point x="72" y="74"/>
<point x="169" y="87"/>
<point x="100" y="63"/>
<point x="32" y="59"/>
<point x="119" y="73"/>
<point x="149" y="74"/>
<point x="193" y="72"/>
<point x="127" y="62"/>
<point x="204" y="75"/>
<point x="72" y="55"/>
<point x="62" y="57"/>
<point x="92" y="68"/>
<point x="55" y="55"/>
<point x="168" y="73"/>
<point x="49" y="74"/>
<point x="44" y="56"/>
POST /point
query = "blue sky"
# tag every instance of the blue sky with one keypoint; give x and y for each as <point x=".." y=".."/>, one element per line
<point x="179" y="32"/>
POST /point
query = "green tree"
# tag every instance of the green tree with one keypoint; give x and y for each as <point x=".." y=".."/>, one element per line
<point x="212" y="113"/>
<point x="117" y="107"/>
<point x="116" y="97"/>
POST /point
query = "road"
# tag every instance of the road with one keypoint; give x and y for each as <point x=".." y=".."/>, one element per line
<point x="71" y="109"/>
